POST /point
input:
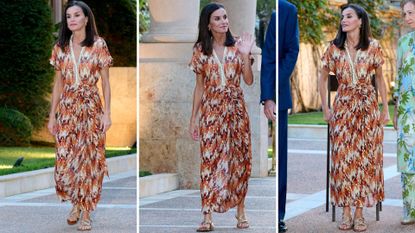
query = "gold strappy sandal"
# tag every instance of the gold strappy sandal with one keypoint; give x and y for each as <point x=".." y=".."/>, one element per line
<point x="205" y="226"/>
<point x="85" y="225"/>
<point x="74" y="215"/>
<point x="359" y="224"/>
<point x="347" y="223"/>
<point x="242" y="222"/>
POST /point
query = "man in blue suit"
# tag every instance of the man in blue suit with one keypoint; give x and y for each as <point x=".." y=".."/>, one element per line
<point x="288" y="48"/>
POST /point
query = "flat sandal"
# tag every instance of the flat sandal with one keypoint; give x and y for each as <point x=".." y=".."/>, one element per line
<point x="85" y="225"/>
<point x="74" y="215"/>
<point x="242" y="222"/>
<point x="347" y="223"/>
<point x="359" y="224"/>
<point x="205" y="226"/>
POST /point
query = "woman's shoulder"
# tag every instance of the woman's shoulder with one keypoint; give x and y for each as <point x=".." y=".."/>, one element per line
<point x="374" y="43"/>
<point x="99" y="42"/>
<point x="406" y="37"/>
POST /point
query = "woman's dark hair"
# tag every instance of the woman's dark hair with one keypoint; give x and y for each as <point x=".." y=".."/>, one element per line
<point x="205" y="36"/>
<point x="90" y="29"/>
<point x="365" y="32"/>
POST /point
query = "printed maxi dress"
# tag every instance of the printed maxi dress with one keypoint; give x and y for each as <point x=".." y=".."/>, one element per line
<point x="225" y="140"/>
<point x="405" y="94"/>
<point x="356" y="133"/>
<point x="80" y="142"/>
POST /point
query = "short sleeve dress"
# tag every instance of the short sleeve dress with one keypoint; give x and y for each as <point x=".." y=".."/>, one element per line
<point x="225" y="141"/>
<point x="80" y="142"/>
<point x="356" y="133"/>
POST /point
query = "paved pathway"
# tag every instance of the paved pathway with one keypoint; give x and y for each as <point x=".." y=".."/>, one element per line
<point x="41" y="211"/>
<point x="179" y="211"/>
<point x="306" y="191"/>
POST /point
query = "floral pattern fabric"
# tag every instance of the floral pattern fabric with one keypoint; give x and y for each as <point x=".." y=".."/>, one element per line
<point x="356" y="133"/>
<point x="408" y="195"/>
<point x="80" y="142"/>
<point x="405" y="94"/>
<point x="225" y="140"/>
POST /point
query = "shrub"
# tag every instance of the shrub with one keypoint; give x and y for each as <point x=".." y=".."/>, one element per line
<point x="15" y="128"/>
<point x="25" y="44"/>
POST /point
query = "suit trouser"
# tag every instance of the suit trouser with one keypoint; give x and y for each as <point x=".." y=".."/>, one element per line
<point x="282" y="162"/>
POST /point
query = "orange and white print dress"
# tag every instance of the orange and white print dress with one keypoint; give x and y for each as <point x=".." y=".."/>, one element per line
<point x="356" y="132"/>
<point x="225" y="137"/>
<point x="80" y="142"/>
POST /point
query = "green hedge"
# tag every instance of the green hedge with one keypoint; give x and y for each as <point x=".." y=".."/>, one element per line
<point x="116" y="22"/>
<point x="15" y="128"/>
<point x="25" y="44"/>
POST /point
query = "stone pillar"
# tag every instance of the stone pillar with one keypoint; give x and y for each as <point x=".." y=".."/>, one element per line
<point x="166" y="89"/>
<point x="242" y="15"/>
<point x="173" y="21"/>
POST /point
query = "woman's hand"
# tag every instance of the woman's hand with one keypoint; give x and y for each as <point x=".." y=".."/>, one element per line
<point x="105" y="122"/>
<point x="194" y="130"/>
<point x="52" y="126"/>
<point x="327" y="114"/>
<point x="384" y="117"/>
<point x="245" y="43"/>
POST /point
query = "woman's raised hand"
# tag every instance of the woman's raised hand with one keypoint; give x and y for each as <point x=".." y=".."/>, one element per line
<point x="245" y="43"/>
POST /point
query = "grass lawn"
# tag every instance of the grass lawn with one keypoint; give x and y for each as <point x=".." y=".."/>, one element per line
<point x="316" y="118"/>
<point x="41" y="157"/>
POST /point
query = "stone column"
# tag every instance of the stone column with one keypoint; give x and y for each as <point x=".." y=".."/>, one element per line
<point x="173" y="21"/>
<point x="166" y="88"/>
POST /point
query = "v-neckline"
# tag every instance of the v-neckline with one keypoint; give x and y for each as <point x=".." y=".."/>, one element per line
<point x="221" y="65"/>
<point x="352" y="63"/>
<point x="76" y="62"/>
<point x="222" y="61"/>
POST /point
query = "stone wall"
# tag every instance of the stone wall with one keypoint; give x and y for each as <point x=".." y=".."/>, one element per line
<point x="123" y="131"/>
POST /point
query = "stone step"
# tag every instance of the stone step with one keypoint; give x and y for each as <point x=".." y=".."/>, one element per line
<point x="42" y="179"/>
<point x="320" y="132"/>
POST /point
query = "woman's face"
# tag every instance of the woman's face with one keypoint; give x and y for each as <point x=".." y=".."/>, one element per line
<point x="76" y="18"/>
<point x="409" y="14"/>
<point x="350" y="21"/>
<point x="218" y="21"/>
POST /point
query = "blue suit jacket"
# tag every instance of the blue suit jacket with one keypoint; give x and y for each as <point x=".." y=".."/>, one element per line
<point x="268" y="64"/>
<point x="288" y="47"/>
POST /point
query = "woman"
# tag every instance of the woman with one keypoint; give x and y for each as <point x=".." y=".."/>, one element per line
<point x="219" y="61"/>
<point x="77" y="119"/>
<point x="404" y="114"/>
<point x="356" y="126"/>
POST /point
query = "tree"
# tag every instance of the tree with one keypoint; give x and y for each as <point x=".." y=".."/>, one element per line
<point x="25" y="44"/>
<point x="117" y="23"/>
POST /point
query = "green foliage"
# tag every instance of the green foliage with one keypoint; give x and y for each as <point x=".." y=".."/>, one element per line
<point x="313" y="16"/>
<point x="15" y="128"/>
<point x="372" y="7"/>
<point x="203" y="3"/>
<point x="25" y="44"/>
<point x="116" y="23"/>
<point x="144" y="15"/>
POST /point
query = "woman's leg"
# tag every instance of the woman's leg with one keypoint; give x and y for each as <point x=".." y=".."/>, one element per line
<point x="359" y="223"/>
<point x="85" y="221"/>
<point x="347" y="222"/>
<point x="74" y="215"/>
<point x="240" y="215"/>
<point x="207" y="224"/>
